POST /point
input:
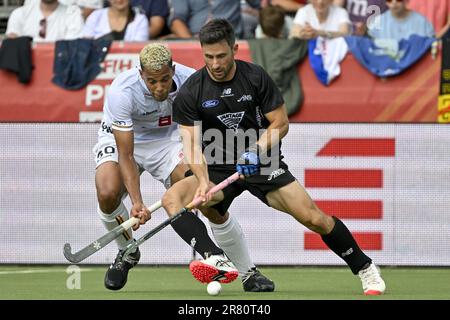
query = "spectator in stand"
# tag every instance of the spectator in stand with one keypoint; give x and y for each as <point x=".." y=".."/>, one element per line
<point x="250" y="20"/>
<point x="45" y="20"/>
<point x="157" y="12"/>
<point x="321" y="18"/>
<point x="188" y="16"/>
<point x="400" y="22"/>
<point x="88" y="6"/>
<point x="64" y="2"/>
<point x="120" y="20"/>
<point x="436" y="11"/>
<point x="361" y="12"/>
<point x="29" y="2"/>
<point x="290" y="8"/>
<point x="272" y="23"/>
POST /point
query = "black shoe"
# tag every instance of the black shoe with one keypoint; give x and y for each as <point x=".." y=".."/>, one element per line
<point x="255" y="281"/>
<point x="117" y="274"/>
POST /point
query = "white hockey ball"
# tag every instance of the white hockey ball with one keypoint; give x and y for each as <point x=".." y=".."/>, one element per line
<point x="214" y="288"/>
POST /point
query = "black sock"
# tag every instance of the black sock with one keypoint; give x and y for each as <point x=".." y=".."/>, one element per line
<point x="341" y="241"/>
<point x="192" y="230"/>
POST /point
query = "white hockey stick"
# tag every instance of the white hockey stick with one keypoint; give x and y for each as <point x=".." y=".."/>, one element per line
<point x="105" y="239"/>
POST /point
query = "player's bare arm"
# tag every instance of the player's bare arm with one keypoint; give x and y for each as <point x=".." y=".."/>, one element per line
<point x="277" y="130"/>
<point x="130" y="174"/>
<point x="196" y="161"/>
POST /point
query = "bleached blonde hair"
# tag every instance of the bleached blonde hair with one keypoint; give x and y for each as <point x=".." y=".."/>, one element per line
<point x="155" y="56"/>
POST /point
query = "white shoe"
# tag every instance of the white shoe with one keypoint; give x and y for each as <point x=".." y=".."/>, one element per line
<point x="371" y="280"/>
<point x="214" y="268"/>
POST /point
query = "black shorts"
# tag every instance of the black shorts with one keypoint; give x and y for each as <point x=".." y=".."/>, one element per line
<point x="258" y="185"/>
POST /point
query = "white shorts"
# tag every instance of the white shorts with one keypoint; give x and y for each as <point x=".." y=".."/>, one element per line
<point x="159" y="158"/>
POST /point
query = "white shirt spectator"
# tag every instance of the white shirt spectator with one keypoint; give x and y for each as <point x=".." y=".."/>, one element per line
<point x="65" y="23"/>
<point x="336" y="17"/>
<point x="68" y="2"/>
<point x="94" y="4"/>
<point x="97" y="25"/>
<point x="97" y="4"/>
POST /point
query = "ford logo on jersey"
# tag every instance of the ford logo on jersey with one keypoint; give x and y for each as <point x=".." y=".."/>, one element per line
<point x="210" y="103"/>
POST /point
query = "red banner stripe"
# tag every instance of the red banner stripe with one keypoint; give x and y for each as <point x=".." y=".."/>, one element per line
<point x="365" y="240"/>
<point x="359" y="148"/>
<point x="350" y="209"/>
<point x="343" y="178"/>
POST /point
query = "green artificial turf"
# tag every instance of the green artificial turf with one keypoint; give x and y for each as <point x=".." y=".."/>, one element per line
<point x="176" y="283"/>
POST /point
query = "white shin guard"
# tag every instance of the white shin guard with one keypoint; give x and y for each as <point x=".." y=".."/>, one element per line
<point x="231" y="240"/>
<point x="113" y="220"/>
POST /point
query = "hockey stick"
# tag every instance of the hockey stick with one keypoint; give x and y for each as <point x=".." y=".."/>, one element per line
<point x="105" y="239"/>
<point x="176" y="216"/>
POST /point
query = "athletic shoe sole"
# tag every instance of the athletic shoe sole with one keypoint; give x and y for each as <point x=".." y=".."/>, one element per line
<point x="373" y="293"/>
<point x="206" y="273"/>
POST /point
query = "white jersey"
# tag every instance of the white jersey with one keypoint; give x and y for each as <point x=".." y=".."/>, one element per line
<point x="130" y="106"/>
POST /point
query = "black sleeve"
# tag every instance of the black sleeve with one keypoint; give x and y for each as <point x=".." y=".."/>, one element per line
<point x="269" y="95"/>
<point x="185" y="111"/>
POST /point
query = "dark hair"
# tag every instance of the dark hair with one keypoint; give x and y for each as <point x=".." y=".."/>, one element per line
<point x="217" y="30"/>
<point x="271" y="19"/>
<point x="131" y="14"/>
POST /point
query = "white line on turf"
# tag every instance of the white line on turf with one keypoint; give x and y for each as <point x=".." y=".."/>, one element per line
<point x="38" y="271"/>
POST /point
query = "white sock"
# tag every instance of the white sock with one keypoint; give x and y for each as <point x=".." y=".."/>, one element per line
<point x="113" y="220"/>
<point x="231" y="240"/>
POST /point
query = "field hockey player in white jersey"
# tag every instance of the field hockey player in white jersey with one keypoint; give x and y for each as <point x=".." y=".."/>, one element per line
<point x="137" y="134"/>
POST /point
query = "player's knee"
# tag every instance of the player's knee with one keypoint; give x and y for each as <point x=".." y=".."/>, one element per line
<point x="108" y="200"/>
<point x="317" y="221"/>
<point x="214" y="216"/>
<point x="170" y="202"/>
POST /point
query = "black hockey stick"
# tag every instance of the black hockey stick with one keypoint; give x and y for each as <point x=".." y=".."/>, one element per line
<point x="132" y="246"/>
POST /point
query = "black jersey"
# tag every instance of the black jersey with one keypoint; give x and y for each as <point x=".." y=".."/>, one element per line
<point x="234" y="108"/>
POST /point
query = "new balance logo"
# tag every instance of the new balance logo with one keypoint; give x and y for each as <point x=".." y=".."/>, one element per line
<point x="275" y="174"/>
<point x="226" y="93"/>
<point x="347" y="253"/>
<point x="232" y="120"/>
<point x="245" y="97"/>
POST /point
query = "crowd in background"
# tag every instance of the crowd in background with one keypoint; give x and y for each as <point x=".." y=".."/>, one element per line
<point x="142" y="20"/>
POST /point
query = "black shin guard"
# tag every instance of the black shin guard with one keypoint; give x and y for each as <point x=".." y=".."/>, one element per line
<point x="192" y="230"/>
<point x="341" y="241"/>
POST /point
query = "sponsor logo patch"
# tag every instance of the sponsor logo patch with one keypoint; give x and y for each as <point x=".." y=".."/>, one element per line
<point x="227" y="93"/>
<point x="245" y="97"/>
<point x="210" y="104"/>
<point x="232" y="120"/>
<point x="276" y="174"/>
